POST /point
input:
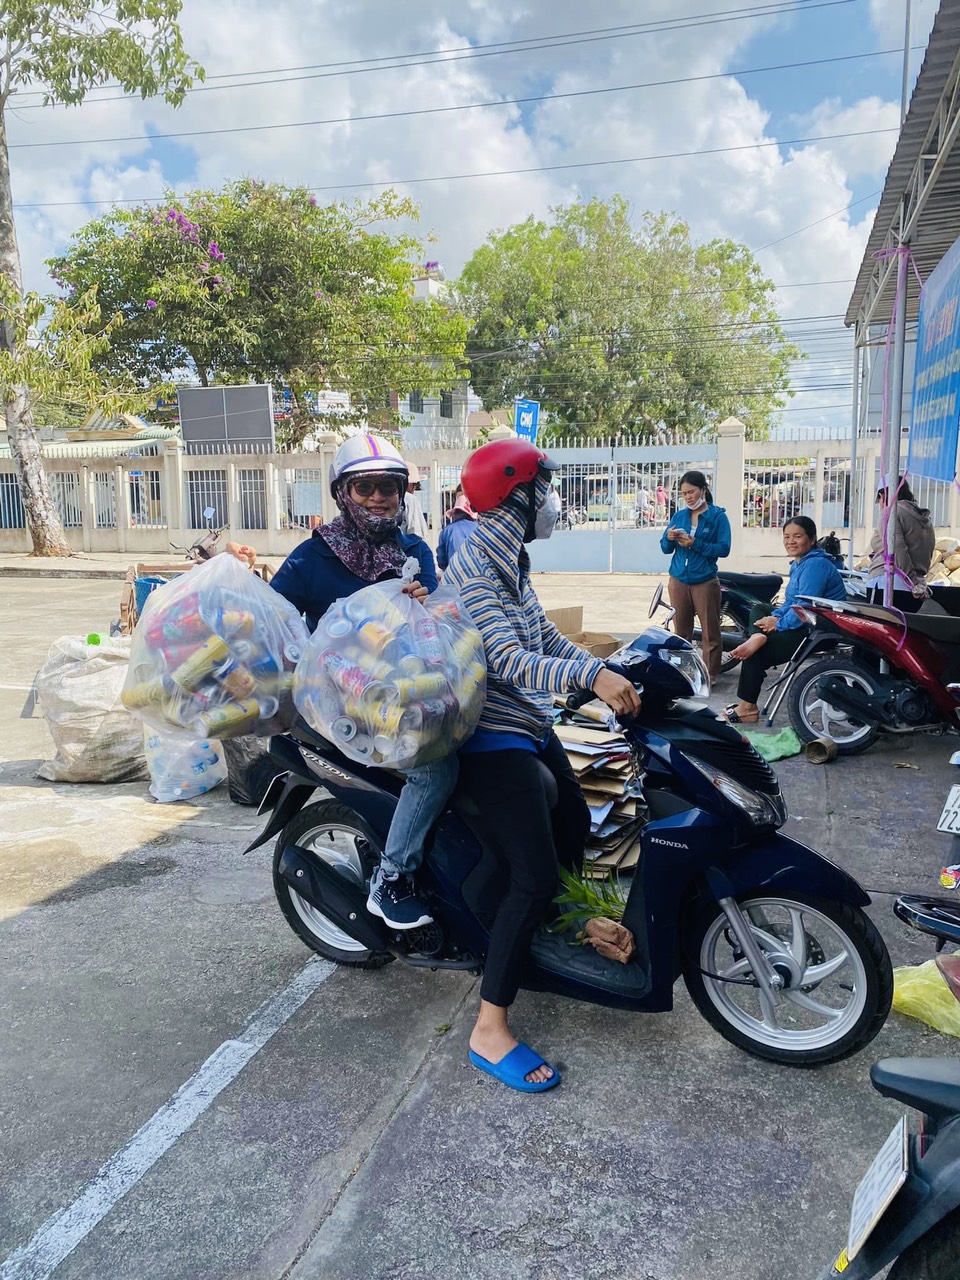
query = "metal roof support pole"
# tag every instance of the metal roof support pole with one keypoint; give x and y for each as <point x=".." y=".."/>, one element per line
<point x="891" y="461"/>
<point x="854" y="433"/>
<point x="905" y="91"/>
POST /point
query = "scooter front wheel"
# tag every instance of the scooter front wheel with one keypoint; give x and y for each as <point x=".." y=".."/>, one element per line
<point x="334" y="833"/>
<point x="837" y="980"/>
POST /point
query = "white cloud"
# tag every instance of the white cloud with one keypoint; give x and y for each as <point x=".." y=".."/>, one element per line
<point x="754" y="195"/>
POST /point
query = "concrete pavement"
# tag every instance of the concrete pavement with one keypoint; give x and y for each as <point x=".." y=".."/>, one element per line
<point x="357" y="1143"/>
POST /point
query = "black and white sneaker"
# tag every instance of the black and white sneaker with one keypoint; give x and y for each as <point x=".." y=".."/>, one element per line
<point x="395" y="902"/>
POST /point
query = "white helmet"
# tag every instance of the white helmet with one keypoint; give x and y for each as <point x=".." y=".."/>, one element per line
<point x="366" y="453"/>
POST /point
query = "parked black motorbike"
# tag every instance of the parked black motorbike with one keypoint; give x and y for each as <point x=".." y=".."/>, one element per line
<point x="907" y="1207"/>
<point x="771" y="938"/>
<point x="739" y="593"/>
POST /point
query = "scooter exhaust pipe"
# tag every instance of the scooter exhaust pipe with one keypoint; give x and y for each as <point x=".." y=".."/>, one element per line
<point x="341" y="901"/>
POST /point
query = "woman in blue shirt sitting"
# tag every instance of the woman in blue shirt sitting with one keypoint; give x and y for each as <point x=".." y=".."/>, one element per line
<point x="697" y="536"/>
<point x="778" y="633"/>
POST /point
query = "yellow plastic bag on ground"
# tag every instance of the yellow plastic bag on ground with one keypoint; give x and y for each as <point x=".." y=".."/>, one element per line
<point x="920" y="991"/>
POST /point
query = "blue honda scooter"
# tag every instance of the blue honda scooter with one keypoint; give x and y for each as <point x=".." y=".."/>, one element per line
<point x="770" y="937"/>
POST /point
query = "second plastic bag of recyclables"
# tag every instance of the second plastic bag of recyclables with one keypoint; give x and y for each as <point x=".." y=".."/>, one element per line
<point x="214" y="653"/>
<point x="391" y="681"/>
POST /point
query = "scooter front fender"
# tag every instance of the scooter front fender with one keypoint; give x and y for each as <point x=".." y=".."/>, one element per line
<point x="932" y="1190"/>
<point x="780" y="864"/>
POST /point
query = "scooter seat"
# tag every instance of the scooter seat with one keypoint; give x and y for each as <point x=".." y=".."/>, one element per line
<point x="930" y="1085"/>
<point x="940" y="628"/>
<point x="762" y="586"/>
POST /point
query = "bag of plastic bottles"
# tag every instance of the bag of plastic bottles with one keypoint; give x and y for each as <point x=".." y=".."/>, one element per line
<point x="181" y="769"/>
<point x="214" y="653"/>
<point x="79" y="689"/>
<point x="391" y="681"/>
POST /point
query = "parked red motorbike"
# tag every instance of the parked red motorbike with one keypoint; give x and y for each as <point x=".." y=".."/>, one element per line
<point x="882" y="671"/>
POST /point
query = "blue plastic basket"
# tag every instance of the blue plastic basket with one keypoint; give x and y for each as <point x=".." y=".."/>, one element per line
<point x="142" y="588"/>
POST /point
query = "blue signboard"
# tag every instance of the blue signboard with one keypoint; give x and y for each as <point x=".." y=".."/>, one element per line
<point x="527" y="419"/>
<point x="936" y="381"/>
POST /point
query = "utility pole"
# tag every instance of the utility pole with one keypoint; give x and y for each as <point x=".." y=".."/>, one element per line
<point x="905" y="91"/>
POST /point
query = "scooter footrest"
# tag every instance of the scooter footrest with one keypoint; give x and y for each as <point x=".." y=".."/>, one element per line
<point x="562" y="954"/>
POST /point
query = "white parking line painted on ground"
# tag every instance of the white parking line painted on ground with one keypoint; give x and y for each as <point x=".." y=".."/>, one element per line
<point x="62" y="1232"/>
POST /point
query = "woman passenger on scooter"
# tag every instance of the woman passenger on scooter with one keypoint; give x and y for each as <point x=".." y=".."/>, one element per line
<point x="365" y="544"/>
<point x="502" y="766"/>
<point x="779" y="632"/>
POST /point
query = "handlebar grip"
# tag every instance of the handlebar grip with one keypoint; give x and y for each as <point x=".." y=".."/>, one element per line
<point x="577" y="700"/>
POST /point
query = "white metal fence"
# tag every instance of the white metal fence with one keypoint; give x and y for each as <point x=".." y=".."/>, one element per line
<point x="615" y="498"/>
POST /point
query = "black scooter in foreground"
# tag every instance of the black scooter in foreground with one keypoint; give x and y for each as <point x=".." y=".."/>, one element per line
<point x="907" y="1207"/>
<point x="770" y="938"/>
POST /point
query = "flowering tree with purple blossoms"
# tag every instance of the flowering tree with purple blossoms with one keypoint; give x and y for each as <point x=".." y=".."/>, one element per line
<point x="258" y="282"/>
<point x="67" y="48"/>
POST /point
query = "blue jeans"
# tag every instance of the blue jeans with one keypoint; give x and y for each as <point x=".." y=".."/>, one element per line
<point x="421" y="802"/>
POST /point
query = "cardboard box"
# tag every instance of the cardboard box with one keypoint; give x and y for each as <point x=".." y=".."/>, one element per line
<point x="567" y="621"/>
<point x="600" y="643"/>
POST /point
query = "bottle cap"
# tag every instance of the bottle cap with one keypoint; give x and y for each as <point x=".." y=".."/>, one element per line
<point x="93" y="638"/>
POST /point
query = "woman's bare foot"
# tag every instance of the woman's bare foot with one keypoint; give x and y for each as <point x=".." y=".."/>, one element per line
<point x="749" y="647"/>
<point x="493" y="1040"/>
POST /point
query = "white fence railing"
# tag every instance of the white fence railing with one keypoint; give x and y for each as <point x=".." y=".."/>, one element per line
<point x="616" y="497"/>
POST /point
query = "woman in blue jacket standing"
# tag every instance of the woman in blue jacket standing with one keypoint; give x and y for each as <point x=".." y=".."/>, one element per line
<point x="777" y="633"/>
<point x="697" y="536"/>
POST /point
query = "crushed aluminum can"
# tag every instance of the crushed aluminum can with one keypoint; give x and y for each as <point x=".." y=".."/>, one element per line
<point x="950" y="876"/>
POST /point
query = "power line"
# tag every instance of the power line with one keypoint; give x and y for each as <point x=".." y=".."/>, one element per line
<point x="836" y="213"/>
<point x="508" y="173"/>
<point x="431" y="58"/>
<point x="467" y="106"/>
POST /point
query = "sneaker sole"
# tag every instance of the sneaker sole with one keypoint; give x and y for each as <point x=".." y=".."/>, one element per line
<point x="395" y="924"/>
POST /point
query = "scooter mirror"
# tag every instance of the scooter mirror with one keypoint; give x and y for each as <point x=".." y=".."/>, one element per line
<point x="209" y="513"/>
<point x="657" y="600"/>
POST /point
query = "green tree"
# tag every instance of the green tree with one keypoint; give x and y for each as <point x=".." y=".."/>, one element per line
<point x="260" y="282"/>
<point x="66" y="49"/>
<point x="615" y="328"/>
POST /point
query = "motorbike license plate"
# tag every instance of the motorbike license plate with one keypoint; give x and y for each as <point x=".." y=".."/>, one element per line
<point x="950" y="817"/>
<point x="879" y="1185"/>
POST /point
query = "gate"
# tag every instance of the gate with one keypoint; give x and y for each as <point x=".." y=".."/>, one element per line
<point x="615" y="503"/>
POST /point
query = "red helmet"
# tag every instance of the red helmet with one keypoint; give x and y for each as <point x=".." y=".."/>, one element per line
<point x="494" y="470"/>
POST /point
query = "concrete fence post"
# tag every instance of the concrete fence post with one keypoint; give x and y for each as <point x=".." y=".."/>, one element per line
<point x="728" y="481"/>
<point x="173" y="488"/>
<point x="818" y="483"/>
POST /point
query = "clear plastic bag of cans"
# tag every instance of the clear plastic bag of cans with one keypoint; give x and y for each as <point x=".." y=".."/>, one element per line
<point x="390" y="681"/>
<point x="214" y="653"/>
<point x="180" y="768"/>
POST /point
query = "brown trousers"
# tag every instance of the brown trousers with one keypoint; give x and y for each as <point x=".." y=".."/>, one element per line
<point x="703" y="599"/>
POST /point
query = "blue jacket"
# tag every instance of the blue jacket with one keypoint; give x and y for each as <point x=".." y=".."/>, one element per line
<point x="312" y="577"/>
<point x="814" y="574"/>
<point x="711" y="542"/>
<point x="452" y="538"/>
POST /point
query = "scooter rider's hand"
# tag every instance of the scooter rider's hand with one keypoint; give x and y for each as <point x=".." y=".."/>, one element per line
<point x="617" y="692"/>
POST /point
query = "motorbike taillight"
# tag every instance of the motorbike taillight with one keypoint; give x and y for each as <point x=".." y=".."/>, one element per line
<point x="807" y="615"/>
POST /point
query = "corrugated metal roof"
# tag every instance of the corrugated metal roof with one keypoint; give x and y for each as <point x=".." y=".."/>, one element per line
<point x="939" y="221"/>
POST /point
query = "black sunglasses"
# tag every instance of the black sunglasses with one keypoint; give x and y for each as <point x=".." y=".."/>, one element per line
<point x="388" y="487"/>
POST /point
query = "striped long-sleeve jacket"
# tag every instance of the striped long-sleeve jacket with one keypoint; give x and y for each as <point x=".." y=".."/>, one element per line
<point x="528" y="660"/>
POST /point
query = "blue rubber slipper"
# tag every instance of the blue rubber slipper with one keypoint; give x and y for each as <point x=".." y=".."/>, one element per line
<point x="510" y="1070"/>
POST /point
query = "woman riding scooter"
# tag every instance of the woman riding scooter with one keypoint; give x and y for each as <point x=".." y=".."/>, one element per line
<point x="514" y="757"/>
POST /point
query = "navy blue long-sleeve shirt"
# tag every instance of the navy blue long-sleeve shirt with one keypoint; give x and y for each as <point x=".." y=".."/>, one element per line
<point x="312" y="577"/>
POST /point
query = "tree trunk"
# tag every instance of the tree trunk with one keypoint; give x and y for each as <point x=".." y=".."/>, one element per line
<point x="41" y="512"/>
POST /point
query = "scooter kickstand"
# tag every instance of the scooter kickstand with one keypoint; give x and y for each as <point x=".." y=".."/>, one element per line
<point x="769" y="982"/>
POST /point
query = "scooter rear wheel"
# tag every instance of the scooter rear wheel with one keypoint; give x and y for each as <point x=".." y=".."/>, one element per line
<point x="838" y="980"/>
<point x="935" y="1256"/>
<point x="812" y="716"/>
<point x="334" y="833"/>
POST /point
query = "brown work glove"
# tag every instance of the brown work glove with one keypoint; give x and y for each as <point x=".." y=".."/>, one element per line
<point x="610" y="939"/>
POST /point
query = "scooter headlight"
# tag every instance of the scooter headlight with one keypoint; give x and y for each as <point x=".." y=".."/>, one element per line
<point x="760" y="809"/>
<point x="692" y="667"/>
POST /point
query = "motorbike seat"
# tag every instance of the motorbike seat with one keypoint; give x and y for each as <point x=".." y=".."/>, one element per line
<point x="940" y="628"/>
<point x="930" y="1085"/>
<point x="762" y="586"/>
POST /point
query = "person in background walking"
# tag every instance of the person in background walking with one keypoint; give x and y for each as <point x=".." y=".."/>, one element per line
<point x="414" y="521"/>
<point x="697" y="536"/>
<point x="462" y="522"/>
<point x="662" y="504"/>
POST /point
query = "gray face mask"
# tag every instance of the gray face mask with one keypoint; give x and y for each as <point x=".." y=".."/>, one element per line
<point x="548" y="513"/>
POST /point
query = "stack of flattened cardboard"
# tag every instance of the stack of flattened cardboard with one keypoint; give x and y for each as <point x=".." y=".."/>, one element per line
<point x="600" y="758"/>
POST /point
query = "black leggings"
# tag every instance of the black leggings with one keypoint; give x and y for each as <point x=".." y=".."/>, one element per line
<point x="515" y="821"/>
<point x="780" y="648"/>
